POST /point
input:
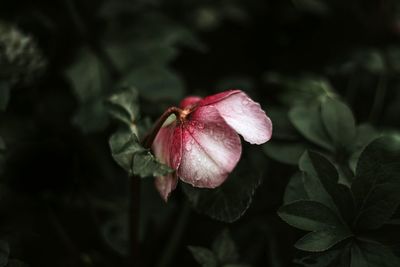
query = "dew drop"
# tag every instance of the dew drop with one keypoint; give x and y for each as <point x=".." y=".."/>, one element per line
<point x="245" y="101"/>
<point x="188" y="146"/>
<point x="200" y="125"/>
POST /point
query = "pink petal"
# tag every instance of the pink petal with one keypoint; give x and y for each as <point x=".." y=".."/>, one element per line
<point x="243" y="114"/>
<point x="166" y="184"/>
<point x="189" y="101"/>
<point x="211" y="149"/>
<point x="167" y="147"/>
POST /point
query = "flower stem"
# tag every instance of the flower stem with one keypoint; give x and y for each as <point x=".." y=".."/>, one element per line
<point x="134" y="216"/>
<point x="149" y="138"/>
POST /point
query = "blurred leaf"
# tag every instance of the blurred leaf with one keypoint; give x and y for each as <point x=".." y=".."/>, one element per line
<point x="288" y="153"/>
<point x="283" y="128"/>
<point x="224" y="248"/>
<point x="339" y="122"/>
<point x="90" y="81"/>
<point x="227" y="202"/>
<point x="330" y="258"/>
<point x="309" y="215"/>
<point x="295" y="189"/>
<point x="155" y="83"/>
<point x="365" y="134"/>
<point x="377" y="185"/>
<point x="16" y="263"/>
<point x="203" y="256"/>
<point x="372" y="254"/>
<point x="136" y="160"/>
<point x="4" y="253"/>
<point x="319" y="7"/>
<point x="124" y="107"/>
<point x="308" y="122"/>
<point x="4" y="95"/>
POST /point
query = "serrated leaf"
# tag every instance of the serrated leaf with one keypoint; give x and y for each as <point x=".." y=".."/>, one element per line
<point x="136" y="160"/>
<point x="376" y="185"/>
<point x="123" y="106"/>
<point x="285" y="152"/>
<point x="224" y="248"/>
<point x="372" y="254"/>
<point x="309" y="215"/>
<point x="227" y="202"/>
<point x="295" y="189"/>
<point x="322" y="240"/>
<point x="203" y="256"/>
<point x="307" y="120"/>
<point x="4" y="95"/>
<point x="339" y="122"/>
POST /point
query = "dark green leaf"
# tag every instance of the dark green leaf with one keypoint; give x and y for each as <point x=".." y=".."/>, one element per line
<point x="124" y="107"/>
<point x="155" y="83"/>
<point x="90" y="82"/>
<point x="339" y="122"/>
<point x="295" y="189"/>
<point x="331" y="258"/>
<point x="4" y="95"/>
<point x="309" y="215"/>
<point x="229" y="201"/>
<point x="285" y="152"/>
<point x="204" y="256"/>
<point x="340" y="195"/>
<point x="136" y="160"/>
<point x="307" y="121"/>
<point x="225" y="249"/>
<point x="16" y="263"/>
<point x="322" y="240"/>
<point x="376" y="184"/>
<point x="372" y="254"/>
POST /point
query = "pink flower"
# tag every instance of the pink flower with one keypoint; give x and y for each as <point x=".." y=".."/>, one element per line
<point x="202" y="144"/>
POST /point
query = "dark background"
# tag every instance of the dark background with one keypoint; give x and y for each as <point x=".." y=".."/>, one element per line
<point x="63" y="200"/>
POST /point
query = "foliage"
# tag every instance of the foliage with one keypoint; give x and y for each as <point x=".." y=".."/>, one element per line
<point x="82" y="83"/>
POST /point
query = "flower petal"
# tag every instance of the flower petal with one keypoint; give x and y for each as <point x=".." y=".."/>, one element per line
<point x="189" y="101"/>
<point x="166" y="184"/>
<point x="211" y="149"/>
<point x="167" y="147"/>
<point x="243" y="114"/>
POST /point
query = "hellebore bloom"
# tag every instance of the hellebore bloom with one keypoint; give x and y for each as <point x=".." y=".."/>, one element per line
<point x="202" y="143"/>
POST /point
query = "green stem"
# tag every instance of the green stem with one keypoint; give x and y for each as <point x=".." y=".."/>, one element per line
<point x="176" y="236"/>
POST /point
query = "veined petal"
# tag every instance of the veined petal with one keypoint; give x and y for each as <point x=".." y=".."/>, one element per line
<point x="243" y="114"/>
<point x="211" y="149"/>
<point x="167" y="147"/>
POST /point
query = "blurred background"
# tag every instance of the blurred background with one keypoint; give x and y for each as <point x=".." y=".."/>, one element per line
<point x="63" y="199"/>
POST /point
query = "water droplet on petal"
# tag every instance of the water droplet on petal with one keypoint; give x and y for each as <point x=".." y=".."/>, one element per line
<point x="188" y="146"/>
<point x="200" y="125"/>
<point x="245" y="101"/>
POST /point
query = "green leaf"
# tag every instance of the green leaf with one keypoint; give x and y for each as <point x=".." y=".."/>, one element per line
<point x="123" y="106"/>
<point x="309" y="215"/>
<point x="322" y="240"/>
<point x="372" y="254"/>
<point x="376" y="185"/>
<point x="295" y="189"/>
<point x="227" y="202"/>
<point x="339" y="122"/>
<point x="90" y="82"/>
<point x="288" y="153"/>
<point x="224" y="248"/>
<point x="307" y="120"/>
<point x="4" y="95"/>
<point x="340" y="196"/>
<point x="136" y="160"/>
<point x="203" y="256"/>
<point x="331" y="258"/>
<point x="4" y="253"/>
<point x="155" y="83"/>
